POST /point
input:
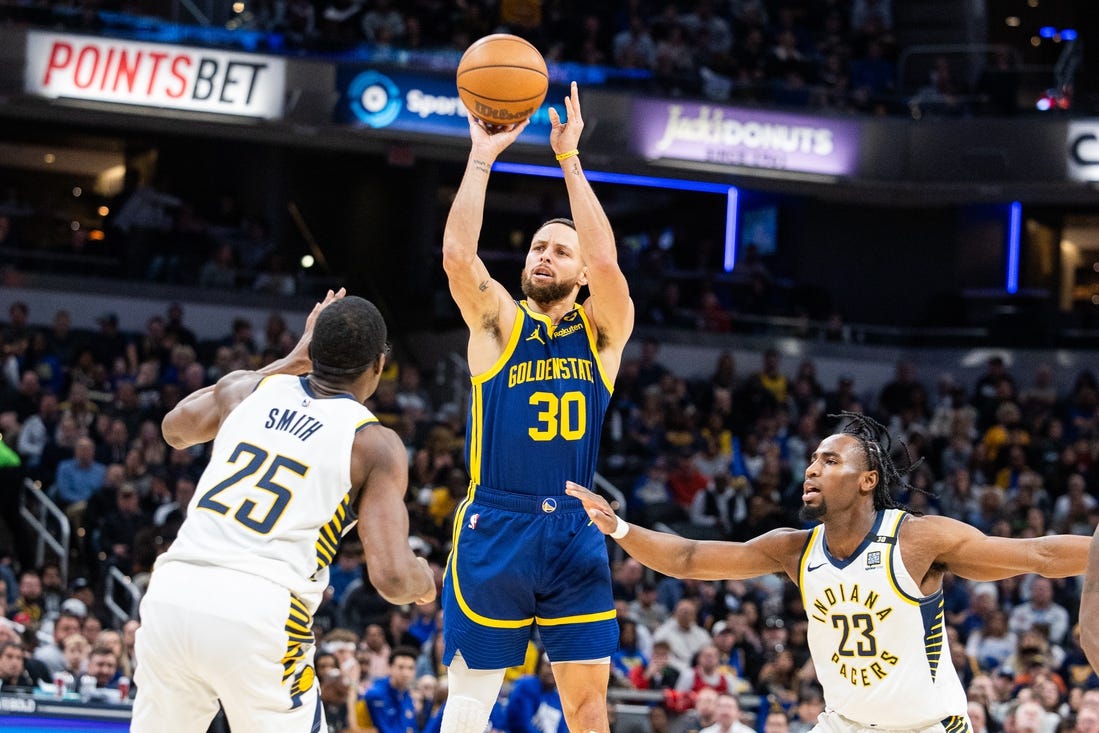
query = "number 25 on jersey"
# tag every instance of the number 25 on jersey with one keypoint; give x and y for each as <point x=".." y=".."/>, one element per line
<point x="238" y="488"/>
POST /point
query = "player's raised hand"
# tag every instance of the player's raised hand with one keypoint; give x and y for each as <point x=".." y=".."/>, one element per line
<point x="565" y="136"/>
<point x="490" y="140"/>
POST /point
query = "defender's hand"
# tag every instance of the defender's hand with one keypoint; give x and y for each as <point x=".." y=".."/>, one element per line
<point x="596" y="506"/>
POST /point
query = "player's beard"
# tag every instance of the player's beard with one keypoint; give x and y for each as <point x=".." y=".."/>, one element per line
<point x="548" y="293"/>
<point x="809" y="513"/>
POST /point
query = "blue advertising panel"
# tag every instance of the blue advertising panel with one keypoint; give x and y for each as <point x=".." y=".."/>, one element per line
<point x="401" y="100"/>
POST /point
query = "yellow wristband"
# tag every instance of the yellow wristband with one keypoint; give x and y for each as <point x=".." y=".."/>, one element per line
<point x="567" y="154"/>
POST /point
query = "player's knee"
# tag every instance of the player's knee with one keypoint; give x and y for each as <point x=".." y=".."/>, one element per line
<point x="464" y="714"/>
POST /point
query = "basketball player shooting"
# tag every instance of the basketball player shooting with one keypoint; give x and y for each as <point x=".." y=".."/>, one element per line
<point x="870" y="576"/>
<point x="542" y="370"/>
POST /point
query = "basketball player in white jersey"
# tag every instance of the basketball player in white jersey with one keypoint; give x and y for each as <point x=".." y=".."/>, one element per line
<point x="870" y="576"/>
<point x="295" y="461"/>
<point x="1089" y="605"/>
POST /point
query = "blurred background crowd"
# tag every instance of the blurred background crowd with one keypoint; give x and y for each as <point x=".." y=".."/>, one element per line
<point x="723" y="456"/>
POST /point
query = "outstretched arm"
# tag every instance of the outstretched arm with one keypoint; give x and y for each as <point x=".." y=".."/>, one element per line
<point x="1089" y="605"/>
<point x="679" y="557"/>
<point x="609" y="306"/>
<point x="197" y="417"/>
<point x="969" y="553"/>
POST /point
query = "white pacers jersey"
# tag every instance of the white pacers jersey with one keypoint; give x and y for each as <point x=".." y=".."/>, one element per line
<point x="878" y="645"/>
<point x="275" y="498"/>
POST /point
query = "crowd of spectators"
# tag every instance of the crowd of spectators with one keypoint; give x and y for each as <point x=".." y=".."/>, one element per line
<point x="827" y="54"/>
<point x="716" y="457"/>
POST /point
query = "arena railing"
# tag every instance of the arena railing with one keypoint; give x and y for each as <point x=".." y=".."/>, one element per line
<point x="39" y="520"/>
<point x="118" y="581"/>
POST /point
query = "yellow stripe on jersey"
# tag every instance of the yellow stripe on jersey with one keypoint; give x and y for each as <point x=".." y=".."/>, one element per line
<point x="476" y="431"/>
<point x="328" y="539"/>
<point x="804" y="560"/>
<point x="894" y="532"/>
<point x="607" y="382"/>
<point x="476" y="434"/>
<point x="933" y="640"/>
<point x="957" y="724"/>
<point x="299" y="634"/>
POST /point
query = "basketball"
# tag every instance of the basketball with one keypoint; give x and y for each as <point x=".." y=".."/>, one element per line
<point x="502" y="79"/>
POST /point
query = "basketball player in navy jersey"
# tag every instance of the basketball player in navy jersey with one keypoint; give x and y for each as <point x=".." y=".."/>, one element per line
<point x="296" y="460"/>
<point x="542" y="369"/>
<point x="870" y="576"/>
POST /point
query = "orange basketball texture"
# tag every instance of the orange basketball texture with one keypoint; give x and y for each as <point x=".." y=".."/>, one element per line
<point x="502" y="79"/>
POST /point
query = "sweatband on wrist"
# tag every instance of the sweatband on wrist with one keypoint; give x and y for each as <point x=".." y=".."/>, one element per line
<point x="567" y="154"/>
<point x="621" y="528"/>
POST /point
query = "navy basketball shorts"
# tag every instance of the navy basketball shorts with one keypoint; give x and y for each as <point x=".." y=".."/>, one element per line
<point x="520" y="559"/>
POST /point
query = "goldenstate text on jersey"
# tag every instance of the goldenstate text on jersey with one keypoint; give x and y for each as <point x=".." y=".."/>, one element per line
<point x="558" y="367"/>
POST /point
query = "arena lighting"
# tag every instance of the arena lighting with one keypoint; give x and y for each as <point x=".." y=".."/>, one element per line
<point x="1014" y="234"/>
<point x="731" y="192"/>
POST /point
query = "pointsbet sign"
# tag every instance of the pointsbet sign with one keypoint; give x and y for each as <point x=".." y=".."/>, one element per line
<point x="61" y="65"/>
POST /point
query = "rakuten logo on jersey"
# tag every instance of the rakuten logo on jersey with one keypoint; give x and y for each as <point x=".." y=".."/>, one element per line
<point x="154" y="75"/>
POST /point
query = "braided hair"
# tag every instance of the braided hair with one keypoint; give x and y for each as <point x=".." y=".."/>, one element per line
<point x="877" y="446"/>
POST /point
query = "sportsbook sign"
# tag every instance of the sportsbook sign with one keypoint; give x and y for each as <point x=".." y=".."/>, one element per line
<point x="399" y="100"/>
<point x="154" y="75"/>
<point x="738" y="137"/>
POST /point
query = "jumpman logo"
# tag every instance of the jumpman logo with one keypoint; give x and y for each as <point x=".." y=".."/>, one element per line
<point x="536" y="335"/>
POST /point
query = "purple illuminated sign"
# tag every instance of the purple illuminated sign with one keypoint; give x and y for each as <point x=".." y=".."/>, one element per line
<point x="740" y="137"/>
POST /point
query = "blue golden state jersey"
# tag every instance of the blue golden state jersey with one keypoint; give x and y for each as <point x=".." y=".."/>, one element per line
<point x="536" y="416"/>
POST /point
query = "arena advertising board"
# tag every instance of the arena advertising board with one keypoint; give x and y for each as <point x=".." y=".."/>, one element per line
<point x="400" y="100"/>
<point x="61" y="65"/>
<point x="739" y="137"/>
<point x="1083" y="150"/>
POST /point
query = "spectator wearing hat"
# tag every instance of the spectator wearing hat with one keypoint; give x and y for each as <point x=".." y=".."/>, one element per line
<point x="647" y="608"/>
<point x="120" y="526"/>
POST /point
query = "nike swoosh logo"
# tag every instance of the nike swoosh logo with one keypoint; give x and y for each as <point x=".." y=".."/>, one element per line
<point x="811" y="568"/>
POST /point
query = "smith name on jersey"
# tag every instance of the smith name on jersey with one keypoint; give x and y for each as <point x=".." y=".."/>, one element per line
<point x="537" y="413"/>
<point x="877" y="642"/>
